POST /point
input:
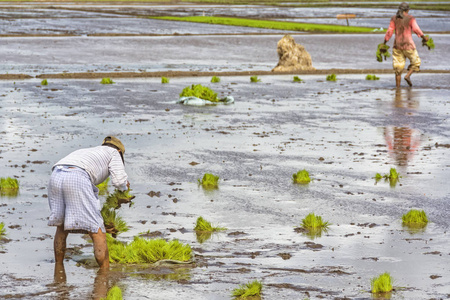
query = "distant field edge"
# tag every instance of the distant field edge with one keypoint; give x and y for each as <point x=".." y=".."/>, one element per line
<point x="172" y="74"/>
<point x="279" y="25"/>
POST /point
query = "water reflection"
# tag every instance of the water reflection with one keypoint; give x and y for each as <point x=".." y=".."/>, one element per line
<point x="402" y="141"/>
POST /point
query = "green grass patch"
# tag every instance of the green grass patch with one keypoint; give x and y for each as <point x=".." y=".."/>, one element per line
<point x="372" y="77"/>
<point x="382" y="52"/>
<point x="205" y="226"/>
<point x="116" y="199"/>
<point x="280" y="25"/>
<point x="106" y="80"/>
<point x="331" y="77"/>
<point x="2" y="230"/>
<point x="44" y="82"/>
<point x="250" y="289"/>
<point x="103" y="187"/>
<point x="297" y="79"/>
<point x="312" y="222"/>
<point x="381" y="284"/>
<point x="255" y="79"/>
<point x="209" y="181"/>
<point x="145" y="251"/>
<point x="113" y="223"/>
<point x="164" y="80"/>
<point x="415" y="218"/>
<point x="301" y="177"/>
<point x="215" y="79"/>
<point x="114" y="293"/>
<point x="200" y="91"/>
<point x="429" y="43"/>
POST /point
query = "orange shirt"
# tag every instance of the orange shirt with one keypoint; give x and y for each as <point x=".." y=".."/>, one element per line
<point x="403" y="32"/>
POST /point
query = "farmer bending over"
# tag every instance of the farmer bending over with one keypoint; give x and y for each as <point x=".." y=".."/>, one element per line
<point x="404" y="24"/>
<point x="73" y="195"/>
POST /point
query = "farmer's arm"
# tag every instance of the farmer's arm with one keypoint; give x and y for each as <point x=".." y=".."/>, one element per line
<point x="119" y="177"/>
<point x="416" y="29"/>
<point x="390" y="31"/>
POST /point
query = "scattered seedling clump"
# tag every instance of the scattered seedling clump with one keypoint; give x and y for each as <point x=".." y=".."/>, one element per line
<point x="382" y="51"/>
<point x="215" y="79"/>
<point x="254" y="79"/>
<point x="301" y="177"/>
<point x="203" y="225"/>
<point x="393" y="177"/>
<point x="164" y="80"/>
<point x="142" y="251"/>
<point x="113" y="223"/>
<point x="314" y="223"/>
<point x="415" y="218"/>
<point x="2" y="230"/>
<point x="378" y="177"/>
<point x="429" y="43"/>
<point x="297" y="79"/>
<point x="381" y="284"/>
<point x="331" y="77"/>
<point x="103" y="187"/>
<point x="9" y="186"/>
<point x="115" y="293"/>
<point x="209" y="181"/>
<point x="116" y="199"/>
<point x="44" y="82"/>
<point x="372" y="77"/>
<point x="200" y="91"/>
<point x="251" y="289"/>
<point x="106" y="80"/>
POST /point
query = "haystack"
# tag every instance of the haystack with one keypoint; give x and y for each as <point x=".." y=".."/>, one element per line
<point x="293" y="57"/>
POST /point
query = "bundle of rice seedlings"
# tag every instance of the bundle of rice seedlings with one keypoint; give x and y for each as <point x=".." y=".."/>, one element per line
<point x="429" y="43"/>
<point x="415" y="218"/>
<point x="301" y="177"/>
<point x="203" y="236"/>
<point x="312" y="222"/>
<point x="113" y="223"/>
<point x="116" y="199"/>
<point x="254" y="79"/>
<point x="103" y="187"/>
<point x="215" y="79"/>
<point x="380" y="54"/>
<point x="9" y="186"/>
<point x="164" y="80"/>
<point x="331" y="77"/>
<point x="297" y="79"/>
<point x="378" y="177"/>
<point x="44" y="82"/>
<point x="205" y="226"/>
<point x="372" y="77"/>
<point x="250" y="289"/>
<point x="209" y="181"/>
<point x="2" y="230"/>
<point x="115" y="293"/>
<point x="200" y="91"/>
<point x="142" y="251"/>
<point x="381" y="284"/>
<point x="106" y="80"/>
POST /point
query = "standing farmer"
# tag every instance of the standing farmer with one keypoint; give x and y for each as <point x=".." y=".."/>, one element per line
<point x="404" y="24"/>
<point x="73" y="195"/>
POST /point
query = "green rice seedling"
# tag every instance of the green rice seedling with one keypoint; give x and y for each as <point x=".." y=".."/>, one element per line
<point x="164" y="80"/>
<point x="255" y="79"/>
<point x="203" y="236"/>
<point x="106" y="80"/>
<point x="331" y="77"/>
<point x="209" y="181"/>
<point x="250" y="289"/>
<point x="199" y="91"/>
<point x="301" y="177"/>
<point x="378" y="177"/>
<point x="382" y="52"/>
<point x="116" y="199"/>
<point x="44" y="82"/>
<point x="9" y="186"/>
<point x="415" y="218"/>
<point x="381" y="284"/>
<point x="115" y="293"/>
<point x="145" y="251"/>
<point x="313" y="223"/>
<point x="372" y="77"/>
<point x="2" y="230"/>
<point x="113" y="223"/>
<point x="215" y="79"/>
<point x="297" y="79"/>
<point x="103" y="187"/>
<point x="429" y="43"/>
<point x="205" y="226"/>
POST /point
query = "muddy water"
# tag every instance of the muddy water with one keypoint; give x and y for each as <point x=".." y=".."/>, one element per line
<point x="342" y="132"/>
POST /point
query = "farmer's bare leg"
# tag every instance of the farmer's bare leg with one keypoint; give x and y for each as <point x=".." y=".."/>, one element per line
<point x="398" y="80"/>
<point x="100" y="249"/>
<point x="60" y="273"/>
<point x="101" y="284"/>
<point x="59" y="244"/>
<point x="408" y="76"/>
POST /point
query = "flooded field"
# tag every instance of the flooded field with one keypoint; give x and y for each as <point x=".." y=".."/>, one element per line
<point x="342" y="132"/>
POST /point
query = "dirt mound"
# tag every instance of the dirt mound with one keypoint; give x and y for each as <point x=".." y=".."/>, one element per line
<point x="293" y="57"/>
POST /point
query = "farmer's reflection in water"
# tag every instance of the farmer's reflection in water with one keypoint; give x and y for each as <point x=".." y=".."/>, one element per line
<point x="402" y="141"/>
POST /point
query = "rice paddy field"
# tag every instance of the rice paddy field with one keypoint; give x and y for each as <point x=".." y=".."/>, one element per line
<point x="341" y="132"/>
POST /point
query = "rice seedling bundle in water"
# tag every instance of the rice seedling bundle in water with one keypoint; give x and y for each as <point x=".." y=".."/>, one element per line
<point x="254" y="79"/>
<point x="9" y="186"/>
<point x="209" y="181"/>
<point x="372" y="77"/>
<point x="199" y="91"/>
<point x="297" y="79"/>
<point x="116" y="199"/>
<point x="429" y="43"/>
<point x="115" y="293"/>
<point x="142" y="251"/>
<point x="114" y="224"/>
<point x="106" y="80"/>
<point x="382" y="52"/>
<point x="215" y="79"/>
<point x="203" y="225"/>
<point x="44" y="82"/>
<point x="250" y="289"/>
<point x="313" y="222"/>
<point x="381" y="284"/>
<point x="2" y="230"/>
<point x="331" y="77"/>
<point x="301" y="177"/>
<point x="164" y="80"/>
<point x="103" y="187"/>
<point x="416" y="218"/>
<point x="378" y="177"/>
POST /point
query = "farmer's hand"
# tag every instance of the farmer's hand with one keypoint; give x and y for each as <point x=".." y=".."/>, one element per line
<point x="425" y="38"/>
<point x="128" y="184"/>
